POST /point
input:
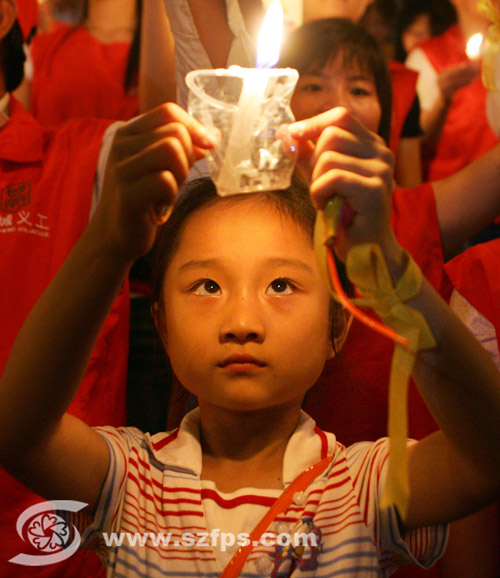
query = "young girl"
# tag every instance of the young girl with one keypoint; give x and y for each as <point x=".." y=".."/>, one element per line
<point x="246" y="322"/>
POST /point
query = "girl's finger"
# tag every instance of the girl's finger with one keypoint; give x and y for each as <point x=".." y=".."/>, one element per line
<point x="126" y="145"/>
<point x="363" y="193"/>
<point x="165" y="114"/>
<point x="346" y="143"/>
<point x="368" y="167"/>
<point x="164" y="189"/>
<point x="168" y="154"/>
<point x="340" y="117"/>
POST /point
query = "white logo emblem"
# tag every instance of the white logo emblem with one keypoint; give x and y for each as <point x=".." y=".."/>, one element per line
<point x="48" y="532"/>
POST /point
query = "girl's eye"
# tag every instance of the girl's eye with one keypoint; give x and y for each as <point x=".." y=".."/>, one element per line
<point x="360" y="91"/>
<point x="280" y="287"/>
<point x="312" y="88"/>
<point x="207" y="287"/>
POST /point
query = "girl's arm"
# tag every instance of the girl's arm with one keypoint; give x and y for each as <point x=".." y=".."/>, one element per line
<point x="457" y="470"/>
<point x="210" y="46"/>
<point x="53" y="453"/>
<point x="157" y="82"/>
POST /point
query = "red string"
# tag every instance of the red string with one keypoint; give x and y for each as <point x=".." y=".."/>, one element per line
<point x="300" y="483"/>
<point x="355" y="312"/>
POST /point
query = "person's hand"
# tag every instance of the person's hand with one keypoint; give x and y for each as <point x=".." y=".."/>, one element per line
<point x="455" y="77"/>
<point x="149" y="159"/>
<point x="342" y="157"/>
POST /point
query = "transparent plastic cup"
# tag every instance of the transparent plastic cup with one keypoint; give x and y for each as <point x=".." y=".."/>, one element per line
<point x="244" y="107"/>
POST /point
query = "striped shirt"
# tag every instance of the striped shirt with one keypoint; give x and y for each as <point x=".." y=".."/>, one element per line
<point x="171" y="523"/>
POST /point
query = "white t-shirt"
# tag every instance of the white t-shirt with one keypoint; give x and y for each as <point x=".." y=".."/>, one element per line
<point x="427" y="83"/>
<point x="154" y="490"/>
<point x="189" y="51"/>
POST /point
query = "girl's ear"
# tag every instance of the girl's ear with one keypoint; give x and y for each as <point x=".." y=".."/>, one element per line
<point x="8" y="15"/>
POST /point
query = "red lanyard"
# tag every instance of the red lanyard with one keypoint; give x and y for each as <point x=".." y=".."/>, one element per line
<point x="302" y="481"/>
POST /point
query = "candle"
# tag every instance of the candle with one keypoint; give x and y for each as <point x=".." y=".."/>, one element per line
<point x="474" y="44"/>
<point x="247" y="105"/>
<point x="253" y="91"/>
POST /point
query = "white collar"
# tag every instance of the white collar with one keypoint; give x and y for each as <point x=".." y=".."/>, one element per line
<point x="180" y="450"/>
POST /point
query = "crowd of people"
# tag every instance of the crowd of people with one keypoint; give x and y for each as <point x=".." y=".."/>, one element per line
<point x="171" y="359"/>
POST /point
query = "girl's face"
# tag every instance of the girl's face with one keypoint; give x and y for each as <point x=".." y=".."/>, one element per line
<point x="418" y="31"/>
<point x="247" y="312"/>
<point x="337" y="85"/>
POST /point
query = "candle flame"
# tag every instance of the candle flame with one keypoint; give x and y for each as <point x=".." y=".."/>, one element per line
<point x="473" y="49"/>
<point x="270" y="34"/>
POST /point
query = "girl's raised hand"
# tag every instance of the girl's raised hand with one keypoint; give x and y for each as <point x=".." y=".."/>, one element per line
<point x="340" y="156"/>
<point x="149" y="159"/>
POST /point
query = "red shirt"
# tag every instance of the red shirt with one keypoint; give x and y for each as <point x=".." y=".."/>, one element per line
<point x="76" y="76"/>
<point x="46" y="180"/>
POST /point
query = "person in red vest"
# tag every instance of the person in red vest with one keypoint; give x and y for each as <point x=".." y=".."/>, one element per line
<point x="405" y="126"/>
<point x="87" y="69"/>
<point x="452" y="95"/>
<point x="47" y="195"/>
<point x="420" y="20"/>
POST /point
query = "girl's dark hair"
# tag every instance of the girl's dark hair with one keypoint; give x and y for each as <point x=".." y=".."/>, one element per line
<point x="314" y="44"/>
<point x="13" y="57"/>
<point x="442" y="15"/>
<point x="293" y="202"/>
<point x="131" y="77"/>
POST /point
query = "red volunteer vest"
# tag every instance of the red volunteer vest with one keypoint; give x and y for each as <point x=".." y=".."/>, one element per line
<point x="75" y="76"/>
<point x="46" y="180"/>
<point x="466" y="133"/>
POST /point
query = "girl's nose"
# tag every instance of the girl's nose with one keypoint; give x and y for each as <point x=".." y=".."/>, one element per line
<point x="242" y="321"/>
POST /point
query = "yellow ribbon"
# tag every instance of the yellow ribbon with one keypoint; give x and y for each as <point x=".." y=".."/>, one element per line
<point x="491" y="45"/>
<point x="325" y="234"/>
<point x="367" y="269"/>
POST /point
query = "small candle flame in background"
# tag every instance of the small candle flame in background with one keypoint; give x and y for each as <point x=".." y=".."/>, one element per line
<point x="270" y="35"/>
<point x="474" y="44"/>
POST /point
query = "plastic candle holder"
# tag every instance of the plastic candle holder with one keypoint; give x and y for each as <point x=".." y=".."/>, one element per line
<point x="243" y="108"/>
